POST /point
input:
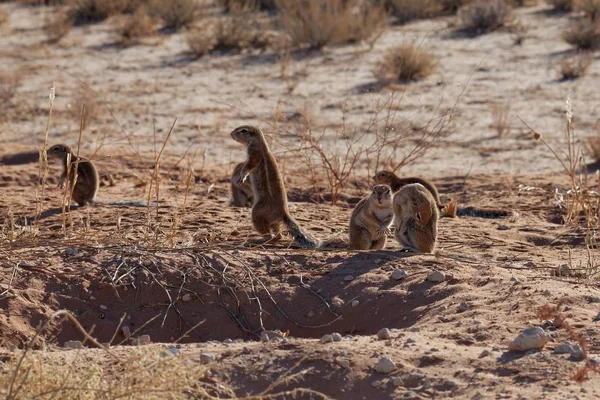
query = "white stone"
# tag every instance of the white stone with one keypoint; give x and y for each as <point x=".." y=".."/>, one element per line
<point x="397" y="381"/>
<point x="327" y="338"/>
<point x="385" y="365"/>
<point x="530" y="339"/>
<point x="384" y="333"/>
<point x="355" y="303"/>
<point x="227" y="341"/>
<point x="186" y="297"/>
<point x="345" y="364"/>
<point x="338" y="302"/>
<point x="515" y="279"/>
<point x="436" y="276"/>
<point x="399" y="274"/>
<point x="71" y="251"/>
<point x="103" y="307"/>
<point x="348" y="278"/>
<point x="207" y="357"/>
<point x="73" y="344"/>
<point x="336" y="337"/>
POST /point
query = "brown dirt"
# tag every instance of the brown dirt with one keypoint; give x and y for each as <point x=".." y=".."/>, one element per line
<point x="117" y="260"/>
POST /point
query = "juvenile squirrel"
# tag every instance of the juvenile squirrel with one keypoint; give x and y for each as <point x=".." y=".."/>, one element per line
<point x="88" y="180"/>
<point x="415" y="218"/>
<point x="371" y="219"/>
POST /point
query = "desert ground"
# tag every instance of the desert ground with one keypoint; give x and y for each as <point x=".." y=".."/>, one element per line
<point x="164" y="283"/>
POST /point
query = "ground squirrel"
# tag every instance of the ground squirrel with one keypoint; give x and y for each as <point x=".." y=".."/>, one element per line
<point x="396" y="183"/>
<point x="241" y="190"/>
<point x="88" y="180"/>
<point x="371" y="219"/>
<point x="415" y="218"/>
<point x="270" y="206"/>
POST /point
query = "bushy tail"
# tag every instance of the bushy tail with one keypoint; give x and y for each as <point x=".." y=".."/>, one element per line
<point x="301" y="238"/>
<point x="449" y="209"/>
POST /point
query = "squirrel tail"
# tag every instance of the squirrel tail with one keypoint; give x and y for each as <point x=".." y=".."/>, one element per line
<point x="301" y="238"/>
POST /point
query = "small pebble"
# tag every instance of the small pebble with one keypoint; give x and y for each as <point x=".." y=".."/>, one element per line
<point x="337" y="301"/>
<point x="484" y="353"/>
<point x="336" y="337"/>
<point x="71" y="251"/>
<point x="355" y="303"/>
<point x="186" y="297"/>
<point x="103" y="307"/>
<point x="563" y="348"/>
<point x="73" y="344"/>
<point x="515" y="280"/>
<point x="502" y="228"/>
<point x="577" y="353"/>
<point x="384" y="333"/>
<point x="227" y="341"/>
<point x="375" y="384"/>
<point x="597" y="318"/>
<point x="207" y="357"/>
<point x="345" y="364"/>
<point x="126" y="331"/>
<point x="327" y="338"/>
<point x="410" y="395"/>
<point x="397" y="381"/>
<point x="13" y="348"/>
<point x="464" y="306"/>
<point x="385" y="365"/>
<point x="436" y="276"/>
<point x="530" y="339"/>
<point x="399" y="274"/>
<point x="348" y="278"/>
<point x="310" y="314"/>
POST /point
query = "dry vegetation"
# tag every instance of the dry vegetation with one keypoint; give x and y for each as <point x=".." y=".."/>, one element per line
<point x="583" y="34"/>
<point x="562" y="5"/>
<point x="134" y="28"/>
<point x="3" y="16"/>
<point x="405" y="63"/>
<point x="484" y="16"/>
<point x="176" y="14"/>
<point x="576" y="66"/>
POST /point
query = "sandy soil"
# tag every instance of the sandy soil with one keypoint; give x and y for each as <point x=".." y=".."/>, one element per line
<point x="197" y="264"/>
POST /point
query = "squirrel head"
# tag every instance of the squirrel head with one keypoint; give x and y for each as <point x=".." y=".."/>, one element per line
<point x="383" y="177"/>
<point x="246" y="134"/>
<point x="382" y="193"/>
<point x="59" y="151"/>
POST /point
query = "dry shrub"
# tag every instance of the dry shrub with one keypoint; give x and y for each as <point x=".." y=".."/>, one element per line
<point x="583" y="34"/>
<point x="575" y="67"/>
<point x="562" y="5"/>
<point x="317" y="23"/>
<point x="58" y="26"/>
<point x="136" y="27"/>
<point x="90" y="11"/>
<point x="199" y="42"/>
<point x="3" y="16"/>
<point x="92" y="106"/>
<point x="408" y="10"/>
<point x="591" y="8"/>
<point x="453" y="5"/>
<point x="235" y="5"/>
<point x="405" y="63"/>
<point x="483" y="16"/>
<point x="176" y="14"/>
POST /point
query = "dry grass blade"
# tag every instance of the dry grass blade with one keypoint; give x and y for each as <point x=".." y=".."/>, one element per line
<point x="405" y="63"/>
<point x="500" y="114"/>
<point x="43" y="170"/>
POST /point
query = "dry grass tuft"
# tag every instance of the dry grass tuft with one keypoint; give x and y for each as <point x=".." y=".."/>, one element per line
<point x="58" y="26"/>
<point x="562" y="5"/>
<point x="500" y="114"/>
<point x="405" y="63"/>
<point x="236" y="5"/>
<point x="176" y="14"/>
<point x="575" y="67"/>
<point x="483" y="16"/>
<point x="409" y="10"/>
<point x="591" y="8"/>
<point x="583" y="34"/>
<point x="136" y="27"/>
<point x="452" y="6"/>
<point x="317" y="23"/>
<point x="91" y="11"/>
<point x="200" y="42"/>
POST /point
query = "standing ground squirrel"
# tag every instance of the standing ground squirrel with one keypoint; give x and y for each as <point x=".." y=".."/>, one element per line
<point x="270" y="207"/>
<point x="396" y="183"/>
<point x="241" y="190"/>
<point x="415" y="218"/>
<point x="371" y="220"/>
<point x="88" y="180"/>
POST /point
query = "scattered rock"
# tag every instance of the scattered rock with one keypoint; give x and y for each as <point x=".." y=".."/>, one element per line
<point x="530" y="339"/>
<point x="227" y="341"/>
<point x="436" y="276"/>
<point x="186" y="298"/>
<point x="463" y="306"/>
<point x="13" y="348"/>
<point x="515" y="280"/>
<point x="410" y="395"/>
<point x="426" y="292"/>
<point x="502" y="228"/>
<point x="336" y="337"/>
<point x="385" y="365"/>
<point x="577" y="353"/>
<point x="103" y="307"/>
<point x="267" y="336"/>
<point x="336" y="301"/>
<point x="399" y="274"/>
<point x="71" y="251"/>
<point x="311" y="313"/>
<point x="345" y="364"/>
<point x="172" y="351"/>
<point x="205" y="358"/>
<point x="348" y="278"/>
<point x="413" y="380"/>
<point x="485" y="353"/>
<point x="563" y="348"/>
<point x="529" y="264"/>
<point x="597" y="318"/>
<point x="375" y="384"/>
<point x="594" y="299"/>
<point x="126" y="331"/>
<point x="397" y="381"/>
<point x="355" y="303"/>
<point x="384" y="333"/>
<point x="327" y="338"/>
<point x="73" y="344"/>
<point x="467" y="340"/>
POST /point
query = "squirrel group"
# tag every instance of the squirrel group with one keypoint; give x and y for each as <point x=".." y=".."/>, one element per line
<point x="410" y="205"/>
